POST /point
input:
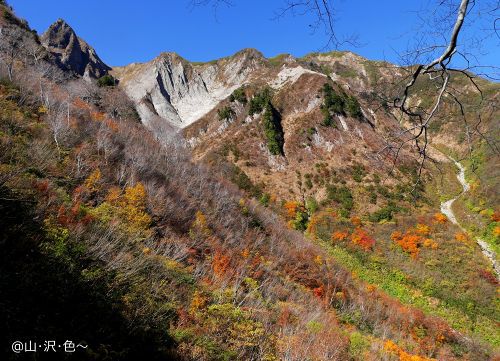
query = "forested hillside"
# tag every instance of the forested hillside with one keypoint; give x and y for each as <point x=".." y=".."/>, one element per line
<point x="129" y="238"/>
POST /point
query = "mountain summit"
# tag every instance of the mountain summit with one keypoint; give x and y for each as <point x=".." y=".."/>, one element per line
<point x="73" y="53"/>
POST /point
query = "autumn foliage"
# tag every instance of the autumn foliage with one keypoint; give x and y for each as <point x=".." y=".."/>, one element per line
<point x="440" y="218"/>
<point x="361" y="238"/>
<point x="392" y="348"/>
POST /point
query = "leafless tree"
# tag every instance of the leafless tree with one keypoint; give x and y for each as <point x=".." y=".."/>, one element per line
<point x="438" y="45"/>
<point x="11" y="47"/>
<point x="437" y="62"/>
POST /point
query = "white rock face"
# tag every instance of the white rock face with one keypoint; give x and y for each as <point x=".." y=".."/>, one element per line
<point x="180" y="92"/>
<point x="290" y="75"/>
<point x="343" y="122"/>
<point x="319" y="141"/>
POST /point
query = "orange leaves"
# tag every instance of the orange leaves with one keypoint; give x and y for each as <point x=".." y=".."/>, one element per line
<point x="114" y="194"/>
<point x="113" y="125"/>
<point x="440" y="218"/>
<point x="391" y="347"/>
<point x="461" y="237"/>
<point x="414" y="238"/>
<point x="220" y="263"/>
<point x="371" y="288"/>
<point x="41" y="186"/>
<point x="356" y="221"/>
<point x="319" y="291"/>
<point x="339" y="236"/>
<point x="291" y="208"/>
<point x="80" y="104"/>
<point x="409" y="242"/>
<point x="495" y="217"/>
<point x="496" y="231"/>
<point x="311" y="226"/>
<point x="361" y="238"/>
<point x="97" y="116"/>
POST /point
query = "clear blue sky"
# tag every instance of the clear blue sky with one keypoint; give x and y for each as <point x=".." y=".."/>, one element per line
<point x="135" y="31"/>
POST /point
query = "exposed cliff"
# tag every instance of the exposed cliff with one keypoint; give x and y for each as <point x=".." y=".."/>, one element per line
<point x="181" y="92"/>
<point x="71" y="52"/>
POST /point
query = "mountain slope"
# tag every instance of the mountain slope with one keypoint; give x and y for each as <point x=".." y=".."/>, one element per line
<point x="175" y="257"/>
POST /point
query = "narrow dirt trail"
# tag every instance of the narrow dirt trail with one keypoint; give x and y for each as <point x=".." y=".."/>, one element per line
<point x="446" y="209"/>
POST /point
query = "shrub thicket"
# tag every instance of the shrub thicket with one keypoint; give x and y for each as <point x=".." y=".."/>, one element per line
<point x="226" y="113"/>
<point x="106" y="80"/>
<point x="273" y="130"/>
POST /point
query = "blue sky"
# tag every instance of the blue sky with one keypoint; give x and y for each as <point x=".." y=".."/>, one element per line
<point x="135" y="31"/>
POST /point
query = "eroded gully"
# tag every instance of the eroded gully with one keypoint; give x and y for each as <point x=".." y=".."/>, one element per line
<point x="446" y="209"/>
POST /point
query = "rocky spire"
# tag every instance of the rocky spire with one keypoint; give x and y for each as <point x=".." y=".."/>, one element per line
<point x="71" y="52"/>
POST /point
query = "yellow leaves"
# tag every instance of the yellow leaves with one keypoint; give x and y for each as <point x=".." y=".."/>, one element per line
<point x="318" y="260"/>
<point x="199" y="228"/>
<point x="135" y="196"/>
<point x="430" y="243"/>
<point x="197" y="302"/>
<point x="129" y="208"/>
<point x="201" y="219"/>
<point x="42" y="109"/>
<point x="92" y="181"/>
<point x="391" y="347"/>
<point x="422" y="229"/>
<point x="233" y="325"/>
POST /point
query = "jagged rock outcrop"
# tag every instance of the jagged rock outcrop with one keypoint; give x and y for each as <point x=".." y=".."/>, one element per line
<point x="71" y="52"/>
<point x="181" y="92"/>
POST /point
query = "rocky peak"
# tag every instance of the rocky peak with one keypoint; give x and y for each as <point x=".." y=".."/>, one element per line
<point x="180" y="92"/>
<point x="59" y="35"/>
<point x="71" y="52"/>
